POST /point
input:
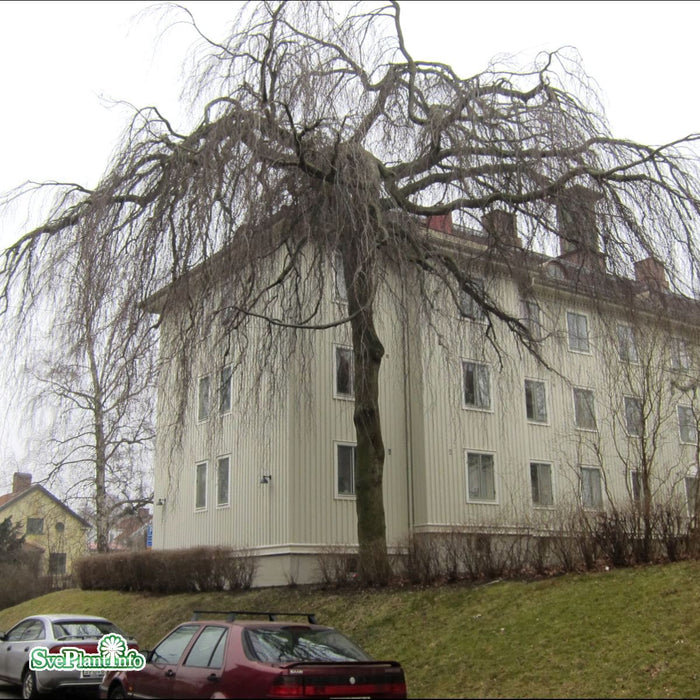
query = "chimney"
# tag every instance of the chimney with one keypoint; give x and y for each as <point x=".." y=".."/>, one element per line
<point x="501" y="228"/>
<point x="651" y="273"/>
<point x="576" y="218"/>
<point x="441" y="222"/>
<point x="21" y="482"/>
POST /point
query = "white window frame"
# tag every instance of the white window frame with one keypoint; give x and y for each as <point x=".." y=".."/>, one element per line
<point x="574" y="391"/>
<point x="226" y="388"/>
<point x="468" y="307"/>
<point x="680" y="355"/>
<point x="475" y="406"/>
<point x="541" y="462"/>
<point x="336" y="393"/>
<point x="532" y="323"/>
<point x="336" y="473"/>
<point x="682" y="408"/>
<point x="474" y="499"/>
<point x="627" y="350"/>
<point x="535" y="421"/>
<point x="625" y="400"/>
<point x="219" y="460"/>
<point x="577" y="337"/>
<point x="197" y="467"/>
<point x="588" y="468"/>
<point x="203" y="411"/>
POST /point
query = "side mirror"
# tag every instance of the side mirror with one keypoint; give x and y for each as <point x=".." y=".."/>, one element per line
<point x="3" y="636"/>
<point x="148" y="653"/>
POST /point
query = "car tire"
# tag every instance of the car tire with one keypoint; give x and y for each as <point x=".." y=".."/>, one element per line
<point x="117" y="692"/>
<point x="29" y="689"/>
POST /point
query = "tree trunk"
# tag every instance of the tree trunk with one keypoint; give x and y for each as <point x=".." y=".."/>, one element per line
<point x="373" y="565"/>
<point x="101" y="519"/>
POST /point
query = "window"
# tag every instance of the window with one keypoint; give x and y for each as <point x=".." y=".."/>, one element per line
<point x="225" y="379"/>
<point x="27" y="630"/>
<point x="530" y="316"/>
<point x="680" y="357"/>
<point x="57" y="563"/>
<point x="691" y="492"/>
<point x="200" y="496"/>
<point x="477" y="385"/>
<point x="170" y="649"/>
<point x="687" y="425"/>
<point x="208" y="650"/>
<point x="203" y="403"/>
<point x="35" y="526"/>
<point x="535" y="401"/>
<point x="584" y="409"/>
<point x="636" y="483"/>
<point x="481" y="484"/>
<point x="60" y="528"/>
<point x="345" y="470"/>
<point x="627" y="344"/>
<point x="541" y="483"/>
<point x="591" y="488"/>
<point x="468" y="306"/>
<point x="344" y="370"/>
<point x="341" y="290"/>
<point x="633" y="416"/>
<point x="223" y="470"/>
<point x="577" y="328"/>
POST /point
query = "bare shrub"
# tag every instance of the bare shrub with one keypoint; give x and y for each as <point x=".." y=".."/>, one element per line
<point x="422" y="562"/>
<point x="671" y="529"/>
<point x="337" y="567"/>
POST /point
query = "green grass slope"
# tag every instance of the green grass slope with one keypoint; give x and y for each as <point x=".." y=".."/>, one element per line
<point x="623" y="633"/>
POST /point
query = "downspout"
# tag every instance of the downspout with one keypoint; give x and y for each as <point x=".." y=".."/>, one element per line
<point x="407" y="413"/>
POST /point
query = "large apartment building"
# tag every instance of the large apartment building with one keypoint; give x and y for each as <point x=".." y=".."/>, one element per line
<point x="480" y="434"/>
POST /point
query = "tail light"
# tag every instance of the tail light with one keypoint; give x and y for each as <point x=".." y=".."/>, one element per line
<point x="287" y="687"/>
<point x="391" y="685"/>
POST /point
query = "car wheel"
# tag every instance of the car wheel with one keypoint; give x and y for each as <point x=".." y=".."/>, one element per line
<point x="29" y="690"/>
<point x="116" y="693"/>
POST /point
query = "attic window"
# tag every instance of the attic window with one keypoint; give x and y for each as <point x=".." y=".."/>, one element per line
<point x="60" y="528"/>
<point x="35" y="526"/>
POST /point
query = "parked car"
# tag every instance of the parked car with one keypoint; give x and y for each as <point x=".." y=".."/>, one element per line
<point x="53" y="632"/>
<point x="258" y="658"/>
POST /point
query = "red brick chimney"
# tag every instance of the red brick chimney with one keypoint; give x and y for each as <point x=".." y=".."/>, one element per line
<point x="21" y="482"/>
<point x="651" y="273"/>
<point x="440" y="222"/>
<point x="501" y="227"/>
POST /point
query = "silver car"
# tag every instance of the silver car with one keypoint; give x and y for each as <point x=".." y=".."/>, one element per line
<point x="52" y="631"/>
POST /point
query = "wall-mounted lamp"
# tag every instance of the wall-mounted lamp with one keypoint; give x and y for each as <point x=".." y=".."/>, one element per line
<point x="160" y="502"/>
<point x="266" y="479"/>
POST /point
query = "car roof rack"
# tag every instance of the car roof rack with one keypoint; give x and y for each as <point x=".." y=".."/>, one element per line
<point x="231" y="615"/>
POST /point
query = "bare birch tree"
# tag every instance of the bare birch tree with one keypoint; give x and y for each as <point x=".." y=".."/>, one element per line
<point x="323" y="133"/>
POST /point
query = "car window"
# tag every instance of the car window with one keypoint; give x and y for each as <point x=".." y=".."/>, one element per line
<point x="293" y="643"/>
<point x="67" y="629"/>
<point x="18" y="631"/>
<point x="208" y="650"/>
<point x="170" y="649"/>
<point x="34" y="631"/>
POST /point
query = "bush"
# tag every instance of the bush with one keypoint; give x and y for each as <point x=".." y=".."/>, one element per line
<point x="200" y="569"/>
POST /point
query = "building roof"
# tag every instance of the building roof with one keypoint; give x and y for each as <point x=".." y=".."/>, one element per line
<point x="9" y="499"/>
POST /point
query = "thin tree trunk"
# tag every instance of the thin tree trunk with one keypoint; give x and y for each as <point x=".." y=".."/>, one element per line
<point x="368" y="351"/>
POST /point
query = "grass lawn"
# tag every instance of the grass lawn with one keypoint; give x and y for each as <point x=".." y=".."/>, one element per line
<point x="622" y="633"/>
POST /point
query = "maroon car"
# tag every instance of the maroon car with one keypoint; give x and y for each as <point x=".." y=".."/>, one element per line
<point x="243" y="658"/>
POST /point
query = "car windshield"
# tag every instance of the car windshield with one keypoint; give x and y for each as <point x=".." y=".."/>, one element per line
<point x="70" y="629"/>
<point x="302" y="644"/>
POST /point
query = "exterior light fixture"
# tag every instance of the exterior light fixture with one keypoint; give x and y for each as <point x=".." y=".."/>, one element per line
<point x="160" y="502"/>
<point x="266" y="479"/>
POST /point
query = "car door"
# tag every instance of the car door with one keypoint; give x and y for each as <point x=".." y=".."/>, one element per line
<point x="9" y="646"/>
<point x="199" y="672"/>
<point x="17" y="655"/>
<point x="156" y="678"/>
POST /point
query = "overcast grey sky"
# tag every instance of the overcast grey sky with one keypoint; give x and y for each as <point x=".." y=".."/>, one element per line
<point x="63" y="64"/>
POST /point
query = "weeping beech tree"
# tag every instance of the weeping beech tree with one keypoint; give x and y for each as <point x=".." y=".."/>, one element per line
<point x="321" y="137"/>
